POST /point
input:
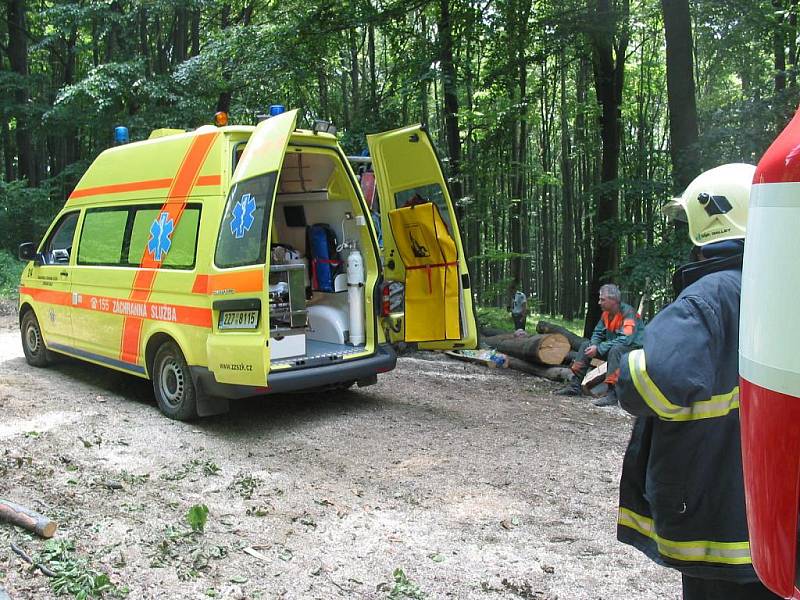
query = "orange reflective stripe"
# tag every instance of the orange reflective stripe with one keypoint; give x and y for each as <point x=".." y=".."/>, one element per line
<point x="611" y="378"/>
<point x="46" y="296"/>
<point x="138" y="186"/>
<point x="628" y="326"/>
<point x="118" y="188"/>
<point x="181" y="187"/>
<point x="154" y="311"/>
<point x="236" y="282"/>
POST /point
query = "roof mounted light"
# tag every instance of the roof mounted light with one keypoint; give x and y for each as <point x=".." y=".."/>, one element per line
<point x="121" y="135"/>
<point x="221" y="118"/>
<point x="276" y="109"/>
<point x="322" y="126"/>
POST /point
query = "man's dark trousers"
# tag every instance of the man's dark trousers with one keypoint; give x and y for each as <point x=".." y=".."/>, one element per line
<point x="713" y="589"/>
<point x="582" y="363"/>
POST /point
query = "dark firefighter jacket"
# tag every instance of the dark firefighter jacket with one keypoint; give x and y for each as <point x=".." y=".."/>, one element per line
<point x="682" y="492"/>
<point x="625" y="329"/>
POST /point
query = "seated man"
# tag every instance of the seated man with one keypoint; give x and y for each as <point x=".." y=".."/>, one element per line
<point x="619" y="331"/>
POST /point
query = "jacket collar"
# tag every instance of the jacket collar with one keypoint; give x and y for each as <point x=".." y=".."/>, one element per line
<point x="689" y="273"/>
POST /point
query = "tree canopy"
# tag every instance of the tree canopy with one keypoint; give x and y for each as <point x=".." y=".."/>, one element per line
<point x="553" y="117"/>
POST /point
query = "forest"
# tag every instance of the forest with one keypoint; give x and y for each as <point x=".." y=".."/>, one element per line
<point x="563" y="125"/>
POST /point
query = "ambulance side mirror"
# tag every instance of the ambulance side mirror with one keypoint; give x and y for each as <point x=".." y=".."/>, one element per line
<point x="27" y="251"/>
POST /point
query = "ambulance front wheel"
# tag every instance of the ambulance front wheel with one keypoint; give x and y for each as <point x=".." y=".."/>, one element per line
<point x="36" y="353"/>
<point x="173" y="385"/>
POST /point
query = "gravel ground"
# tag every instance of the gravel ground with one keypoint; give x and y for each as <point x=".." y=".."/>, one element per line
<point x="477" y="483"/>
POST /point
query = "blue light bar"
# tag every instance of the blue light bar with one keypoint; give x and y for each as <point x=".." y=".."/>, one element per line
<point x="276" y="109"/>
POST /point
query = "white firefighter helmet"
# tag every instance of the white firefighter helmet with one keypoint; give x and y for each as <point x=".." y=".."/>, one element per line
<point x="715" y="204"/>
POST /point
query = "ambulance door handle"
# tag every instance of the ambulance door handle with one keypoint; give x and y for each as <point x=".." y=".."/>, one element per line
<point x="64" y="274"/>
<point x="390" y="264"/>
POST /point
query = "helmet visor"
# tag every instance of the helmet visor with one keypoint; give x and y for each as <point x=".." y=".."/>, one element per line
<point x="674" y="210"/>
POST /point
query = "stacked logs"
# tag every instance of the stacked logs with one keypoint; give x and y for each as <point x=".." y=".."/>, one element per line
<point x="548" y="353"/>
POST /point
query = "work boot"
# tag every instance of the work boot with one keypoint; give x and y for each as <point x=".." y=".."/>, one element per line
<point x="610" y="399"/>
<point x="573" y="388"/>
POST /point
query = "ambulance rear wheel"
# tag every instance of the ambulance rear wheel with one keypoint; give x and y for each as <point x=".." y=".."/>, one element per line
<point x="33" y="342"/>
<point x="173" y="385"/>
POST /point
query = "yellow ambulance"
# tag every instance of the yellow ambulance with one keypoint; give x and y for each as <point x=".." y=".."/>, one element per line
<point x="236" y="261"/>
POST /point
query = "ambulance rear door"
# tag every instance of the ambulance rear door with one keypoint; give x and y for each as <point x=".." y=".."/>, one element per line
<point x="238" y="351"/>
<point x="427" y="296"/>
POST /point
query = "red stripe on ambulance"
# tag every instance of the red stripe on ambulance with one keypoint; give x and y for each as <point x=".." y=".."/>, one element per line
<point x="185" y="180"/>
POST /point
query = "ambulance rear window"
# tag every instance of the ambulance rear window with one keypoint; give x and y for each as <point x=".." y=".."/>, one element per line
<point x="242" y="236"/>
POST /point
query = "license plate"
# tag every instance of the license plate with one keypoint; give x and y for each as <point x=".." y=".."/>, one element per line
<point x="238" y="319"/>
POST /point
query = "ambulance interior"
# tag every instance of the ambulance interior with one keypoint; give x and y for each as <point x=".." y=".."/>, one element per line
<point x="321" y="253"/>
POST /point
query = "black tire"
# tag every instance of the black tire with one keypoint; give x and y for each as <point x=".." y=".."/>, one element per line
<point x="172" y="383"/>
<point x="36" y="353"/>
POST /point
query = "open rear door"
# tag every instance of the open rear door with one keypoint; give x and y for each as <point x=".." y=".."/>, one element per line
<point x="422" y="244"/>
<point x="237" y="351"/>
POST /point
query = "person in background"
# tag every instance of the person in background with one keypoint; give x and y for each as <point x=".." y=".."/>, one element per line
<point x="519" y="306"/>
<point x="619" y="331"/>
<point x="682" y="489"/>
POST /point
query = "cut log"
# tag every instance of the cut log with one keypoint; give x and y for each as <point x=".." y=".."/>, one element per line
<point x="27" y="519"/>
<point x="548" y="348"/>
<point x="553" y="373"/>
<point x="492" y="331"/>
<point x="594" y="382"/>
<point x="493" y="340"/>
<point x="547" y="327"/>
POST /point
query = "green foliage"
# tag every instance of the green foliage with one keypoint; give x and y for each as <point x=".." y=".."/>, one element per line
<point x="10" y="272"/>
<point x="197" y="516"/>
<point x="498" y="318"/>
<point x="404" y="588"/>
<point x="73" y="575"/>
<point x="25" y="214"/>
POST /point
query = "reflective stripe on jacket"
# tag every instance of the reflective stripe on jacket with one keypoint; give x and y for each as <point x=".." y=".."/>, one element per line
<point x="625" y="329"/>
<point x="681" y="492"/>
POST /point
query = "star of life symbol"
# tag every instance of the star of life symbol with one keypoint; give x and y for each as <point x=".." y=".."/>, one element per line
<point x="242" y="219"/>
<point x="160" y="232"/>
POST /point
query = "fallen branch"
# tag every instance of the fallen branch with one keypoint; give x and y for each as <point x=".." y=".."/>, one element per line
<point x="27" y="519"/>
<point x="24" y="556"/>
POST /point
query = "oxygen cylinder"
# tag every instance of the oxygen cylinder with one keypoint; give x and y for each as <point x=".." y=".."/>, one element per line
<point x="768" y="366"/>
<point x="355" y="295"/>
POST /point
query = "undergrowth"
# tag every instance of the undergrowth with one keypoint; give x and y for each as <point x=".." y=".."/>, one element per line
<point x="498" y="318"/>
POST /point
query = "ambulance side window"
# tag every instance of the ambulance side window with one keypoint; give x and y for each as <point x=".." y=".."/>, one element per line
<point x="122" y="236"/>
<point x="420" y="195"/>
<point x="102" y="236"/>
<point x="177" y="245"/>
<point x="58" y="247"/>
<point x="242" y="238"/>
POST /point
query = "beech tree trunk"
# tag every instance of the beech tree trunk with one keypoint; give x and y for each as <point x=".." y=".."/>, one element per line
<point x="681" y="93"/>
<point x="609" y="45"/>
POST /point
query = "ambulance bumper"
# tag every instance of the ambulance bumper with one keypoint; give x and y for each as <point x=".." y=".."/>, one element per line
<point x="362" y="371"/>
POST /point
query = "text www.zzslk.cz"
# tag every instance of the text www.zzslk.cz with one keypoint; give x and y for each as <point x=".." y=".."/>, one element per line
<point x="237" y="367"/>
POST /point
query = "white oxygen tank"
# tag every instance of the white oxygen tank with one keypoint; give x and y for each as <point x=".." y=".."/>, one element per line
<point x="355" y="295"/>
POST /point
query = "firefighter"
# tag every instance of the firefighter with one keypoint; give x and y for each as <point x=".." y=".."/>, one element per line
<point x="618" y="331"/>
<point x="681" y="491"/>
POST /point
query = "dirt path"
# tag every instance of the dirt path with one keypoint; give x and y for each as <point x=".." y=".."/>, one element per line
<point x="477" y="483"/>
